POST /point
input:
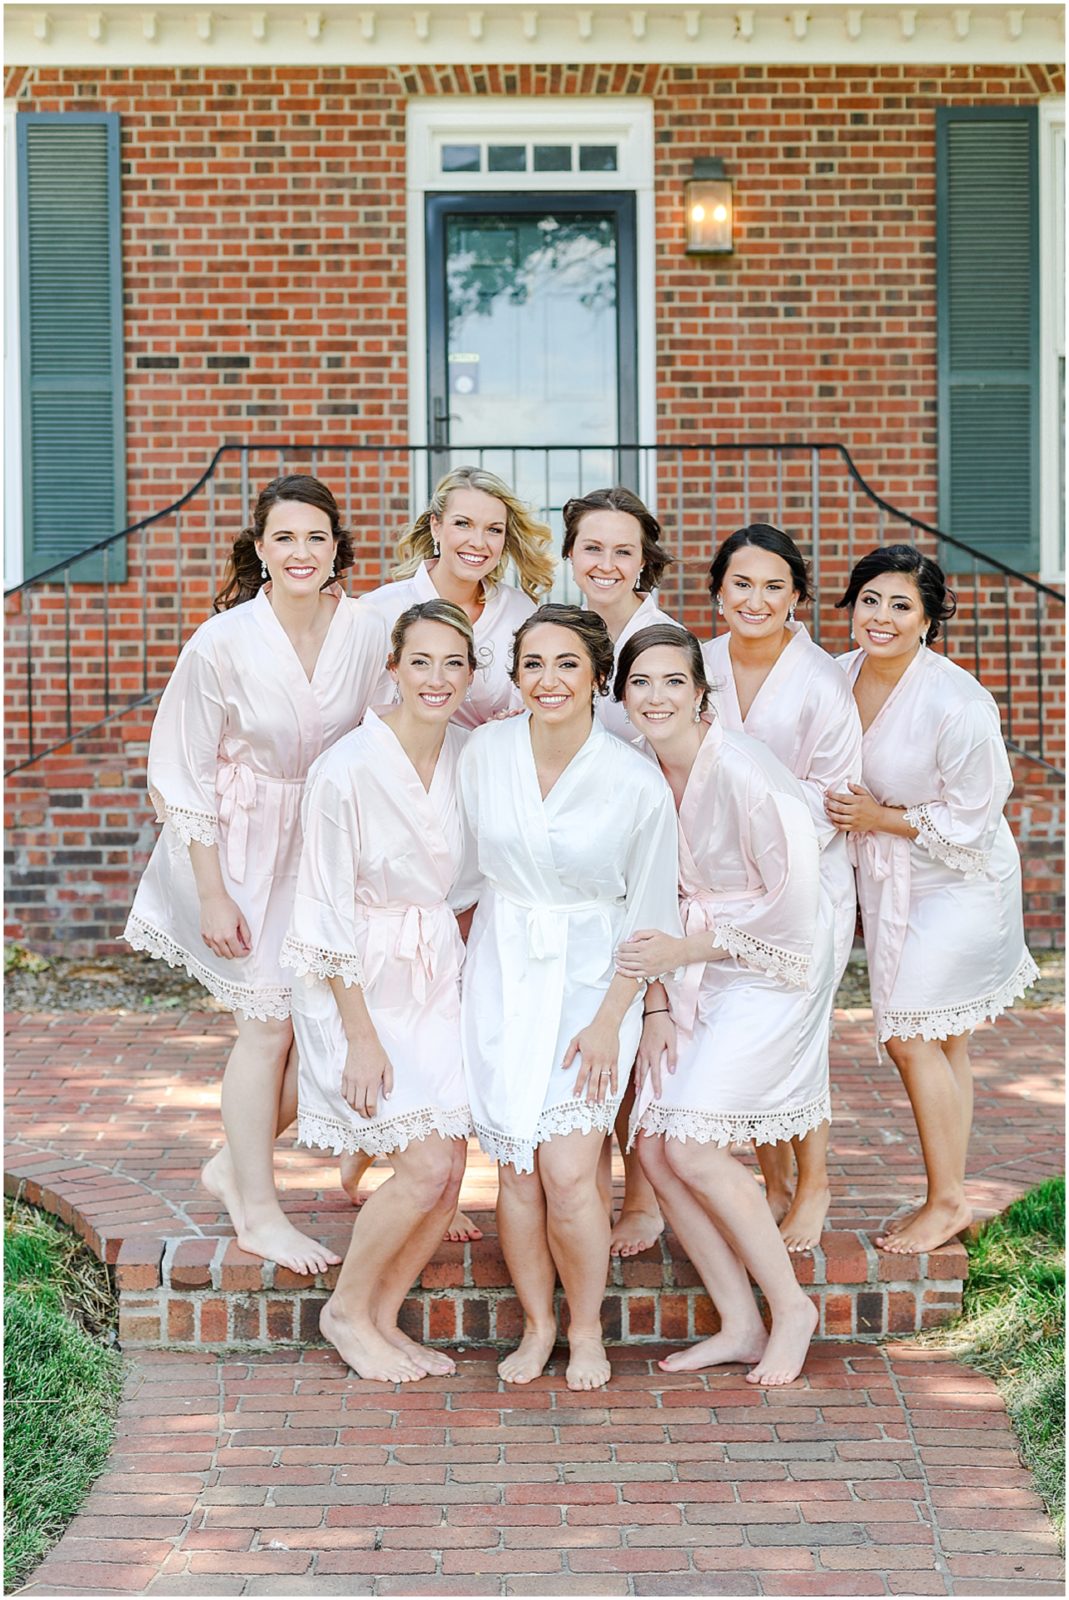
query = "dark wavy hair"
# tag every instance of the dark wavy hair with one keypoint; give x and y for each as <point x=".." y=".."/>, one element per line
<point x="651" y="638"/>
<point x="432" y="611"/>
<point x="654" y="558"/>
<point x="938" y="602"/>
<point x="763" y="536"/>
<point x="588" y="627"/>
<point x="242" y="579"/>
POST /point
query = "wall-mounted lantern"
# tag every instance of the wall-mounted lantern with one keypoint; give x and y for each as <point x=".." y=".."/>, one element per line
<point x="707" y="201"/>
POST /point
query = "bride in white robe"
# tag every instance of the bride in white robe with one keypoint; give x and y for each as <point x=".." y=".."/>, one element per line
<point x="938" y="872"/>
<point x="751" y="971"/>
<point x="376" y="1000"/>
<point x="576" y="847"/>
<point x="771" y="681"/>
<point x="259" y="691"/>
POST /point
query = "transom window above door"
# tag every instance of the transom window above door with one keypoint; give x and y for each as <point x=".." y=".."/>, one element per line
<point x="532" y="156"/>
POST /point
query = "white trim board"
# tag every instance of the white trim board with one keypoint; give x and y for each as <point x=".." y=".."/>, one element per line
<point x="13" y="532"/>
<point x="1051" y="336"/>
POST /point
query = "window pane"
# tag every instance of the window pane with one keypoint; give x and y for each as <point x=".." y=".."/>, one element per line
<point x="553" y="158"/>
<point x="597" y="158"/>
<point x="507" y="158"/>
<point x="460" y="158"/>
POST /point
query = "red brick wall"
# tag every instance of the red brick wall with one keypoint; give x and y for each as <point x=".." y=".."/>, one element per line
<point x="265" y="290"/>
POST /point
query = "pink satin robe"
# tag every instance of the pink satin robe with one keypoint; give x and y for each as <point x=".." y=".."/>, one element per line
<point x="238" y="726"/>
<point x="752" y="1028"/>
<point x="942" y="913"/>
<point x="381" y="872"/>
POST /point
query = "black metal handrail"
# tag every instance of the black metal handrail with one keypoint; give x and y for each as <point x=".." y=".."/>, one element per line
<point x="673" y="469"/>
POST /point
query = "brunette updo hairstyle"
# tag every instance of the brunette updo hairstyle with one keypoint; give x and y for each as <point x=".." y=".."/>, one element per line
<point x="242" y="579"/>
<point x="763" y="536"/>
<point x="651" y="638"/>
<point x="591" y="632"/>
<point x="654" y="558"/>
<point x="432" y="611"/>
<point x="938" y="602"/>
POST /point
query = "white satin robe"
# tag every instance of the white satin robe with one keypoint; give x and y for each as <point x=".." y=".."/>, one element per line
<point x="505" y="608"/>
<point x="942" y="913"/>
<point x="238" y="726"/>
<point x="611" y="713"/>
<point x="565" y="880"/>
<point x="752" y="1029"/>
<point x="801" y="714"/>
<point x="381" y="872"/>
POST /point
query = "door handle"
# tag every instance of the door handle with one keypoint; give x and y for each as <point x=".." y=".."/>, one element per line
<point x="441" y="417"/>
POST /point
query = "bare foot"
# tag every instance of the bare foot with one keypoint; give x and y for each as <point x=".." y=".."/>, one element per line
<point x="803" y="1225"/>
<point x="719" y="1351"/>
<point x="528" y="1360"/>
<point x="779" y="1202"/>
<point x="462" y="1228"/>
<point x="635" y="1231"/>
<point x="351" y="1169"/>
<point x="434" y="1362"/>
<point x="364" y="1349"/>
<point x="273" y="1236"/>
<point x="934" y="1224"/>
<point x="588" y="1365"/>
<point x="898" y="1222"/>
<point x="787" y="1346"/>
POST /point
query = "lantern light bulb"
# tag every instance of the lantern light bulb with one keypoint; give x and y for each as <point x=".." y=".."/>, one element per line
<point x="720" y="214"/>
<point x="697" y="213"/>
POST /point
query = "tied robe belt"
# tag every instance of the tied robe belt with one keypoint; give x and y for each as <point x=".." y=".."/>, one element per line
<point x="884" y="858"/>
<point x="547" y="925"/>
<point x="698" y="913"/>
<point x="235" y="786"/>
<point x="408" y="933"/>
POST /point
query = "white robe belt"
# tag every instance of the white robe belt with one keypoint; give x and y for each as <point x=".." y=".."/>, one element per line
<point x="544" y="923"/>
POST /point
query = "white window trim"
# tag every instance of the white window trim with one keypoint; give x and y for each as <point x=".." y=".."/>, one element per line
<point x="13" y="542"/>
<point x="629" y="126"/>
<point x="1051" y="333"/>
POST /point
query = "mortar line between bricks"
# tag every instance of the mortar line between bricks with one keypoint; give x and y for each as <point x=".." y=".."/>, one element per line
<point x="939" y="1560"/>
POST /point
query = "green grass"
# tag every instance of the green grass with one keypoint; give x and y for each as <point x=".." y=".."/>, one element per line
<point x="61" y="1382"/>
<point x="1013" y="1328"/>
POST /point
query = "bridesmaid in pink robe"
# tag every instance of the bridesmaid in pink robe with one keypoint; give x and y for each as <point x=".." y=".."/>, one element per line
<point x="288" y="665"/>
<point x="938" y="872"/>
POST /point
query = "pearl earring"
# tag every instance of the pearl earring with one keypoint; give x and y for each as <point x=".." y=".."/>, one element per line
<point x="790" y="613"/>
<point x="435" y="551"/>
<point x="719" y="606"/>
<point x="332" y="572"/>
<point x="697" y="712"/>
<point x="263" y="570"/>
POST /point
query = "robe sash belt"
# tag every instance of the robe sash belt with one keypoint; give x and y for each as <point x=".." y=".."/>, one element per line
<point x="424" y="935"/>
<point x="236" y="787"/>
<point x="883" y="863"/>
<point x="699" y="913"/>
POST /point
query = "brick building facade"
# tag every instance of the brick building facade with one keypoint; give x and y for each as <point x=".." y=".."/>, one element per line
<point x="267" y="299"/>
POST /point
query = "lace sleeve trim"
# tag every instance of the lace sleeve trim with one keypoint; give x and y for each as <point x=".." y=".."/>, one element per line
<point x="192" y="827"/>
<point x="959" y="857"/>
<point x="311" y="960"/>
<point x="789" y="968"/>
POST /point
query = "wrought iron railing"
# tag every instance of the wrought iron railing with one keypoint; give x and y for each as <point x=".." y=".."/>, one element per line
<point x="82" y="653"/>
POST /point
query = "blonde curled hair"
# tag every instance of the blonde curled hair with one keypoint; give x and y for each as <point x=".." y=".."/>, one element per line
<point x="527" y="541"/>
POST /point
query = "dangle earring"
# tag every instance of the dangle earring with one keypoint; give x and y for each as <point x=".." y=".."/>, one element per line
<point x="719" y="606"/>
<point x="435" y="550"/>
<point x="332" y="571"/>
<point x="263" y="571"/>
<point x="697" y="712"/>
<point x="790" y="613"/>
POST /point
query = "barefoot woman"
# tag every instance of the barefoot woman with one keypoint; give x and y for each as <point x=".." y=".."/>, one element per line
<point x="613" y="542"/>
<point x="576" y="846"/>
<point x="758" y="962"/>
<point x="288" y="666"/>
<point x="376" y="1003"/>
<point x="772" y="682"/>
<point x="939" y="877"/>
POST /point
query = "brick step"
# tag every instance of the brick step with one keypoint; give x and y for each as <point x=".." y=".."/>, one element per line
<point x="208" y="1294"/>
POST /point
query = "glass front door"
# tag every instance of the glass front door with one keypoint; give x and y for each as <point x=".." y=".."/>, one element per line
<point x="531" y="322"/>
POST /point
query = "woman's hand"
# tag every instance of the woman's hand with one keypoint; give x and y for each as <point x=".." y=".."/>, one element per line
<point x="368" y="1072"/>
<point x="648" y="954"/>
<point x="656" y="1050"/>
<point x="598" y="1046"/>
<point x="856" y="812"/>
<point x="223" y="928"/>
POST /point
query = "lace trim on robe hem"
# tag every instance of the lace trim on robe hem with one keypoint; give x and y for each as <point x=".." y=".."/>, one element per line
<point x="959" y="857"/>
<point x="572" y="1117"/>
<point x="947" y="1021"/>
<point x="768" y="958"/>
<point x="272" y="1001"/>
<point x="192" y="827"/>
<point x="732" y="1127"/>
<point x="383" y="1136"/>
<point x="311" y="960"/>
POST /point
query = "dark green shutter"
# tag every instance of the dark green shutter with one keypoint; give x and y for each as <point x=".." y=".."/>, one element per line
<point x="988" y="310"/>
<point x="70" y="291"/>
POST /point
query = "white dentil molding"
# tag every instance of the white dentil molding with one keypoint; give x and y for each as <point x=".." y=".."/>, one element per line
<point x="438" y="32"/>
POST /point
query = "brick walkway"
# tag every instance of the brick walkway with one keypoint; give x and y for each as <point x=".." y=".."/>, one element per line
<point x="885" y="1470"/>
